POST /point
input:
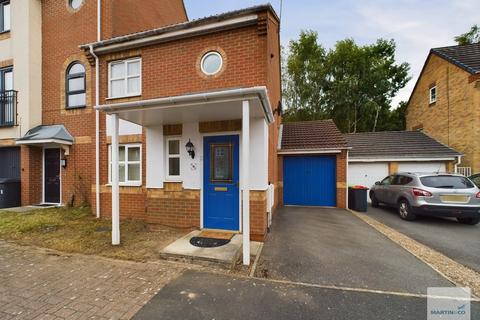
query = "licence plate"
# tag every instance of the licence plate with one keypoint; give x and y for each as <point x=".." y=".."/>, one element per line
<point x="454" y="198"/>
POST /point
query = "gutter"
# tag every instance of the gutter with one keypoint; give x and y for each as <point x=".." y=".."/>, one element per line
<point x="240" y="94"/>
<point x="312" y="151"/>
<point x="142" y="40"/>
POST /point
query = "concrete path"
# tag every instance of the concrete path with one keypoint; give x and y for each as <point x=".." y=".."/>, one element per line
<point x="198" y="295"/>
<point x="333" y="247"/>
<point x="34" y="284"/>
<point x="457" y="241"/>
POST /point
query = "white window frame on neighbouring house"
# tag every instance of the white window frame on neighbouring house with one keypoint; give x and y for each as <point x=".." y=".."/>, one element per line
<point x="125" y="77"/>
<point x="169" y="156"/>
<point x="432" y="97"/>
<point x="126" y="162"/>
<point x="5" y="16"/>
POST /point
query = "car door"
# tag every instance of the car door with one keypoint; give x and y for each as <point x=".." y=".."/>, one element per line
<point x="382" y="189"/>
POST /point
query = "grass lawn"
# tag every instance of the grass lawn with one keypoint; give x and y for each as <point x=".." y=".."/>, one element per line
<point x="76" y="230"/>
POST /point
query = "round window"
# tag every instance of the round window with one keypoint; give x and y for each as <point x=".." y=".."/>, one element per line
<point x="75" y="4"/>
<point x="211" y="63"/>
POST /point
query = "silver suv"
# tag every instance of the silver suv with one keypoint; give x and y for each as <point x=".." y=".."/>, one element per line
<point x="434" y="194"/>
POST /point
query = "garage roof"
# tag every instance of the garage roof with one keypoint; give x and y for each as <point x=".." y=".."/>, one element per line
<point x="312" y="136"/>
<point x="397" y="145"/>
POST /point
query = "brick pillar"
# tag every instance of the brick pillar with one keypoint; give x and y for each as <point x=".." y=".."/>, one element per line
<point x="31" y="175"/>
<point x="342" y="179"/>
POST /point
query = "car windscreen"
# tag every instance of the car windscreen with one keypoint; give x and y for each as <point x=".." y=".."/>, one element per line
<point x="446" y="182"/>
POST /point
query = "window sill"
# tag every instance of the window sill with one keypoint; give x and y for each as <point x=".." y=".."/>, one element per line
<point x="173" y="180"/>
<point x="124" y="97"/>
<point x="75" y="108"/>
<point x="126" y="185"/>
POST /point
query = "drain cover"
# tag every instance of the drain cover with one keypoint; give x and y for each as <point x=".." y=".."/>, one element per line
<point x="208" y="242"/>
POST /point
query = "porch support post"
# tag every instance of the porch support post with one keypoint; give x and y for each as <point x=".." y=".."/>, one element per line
<point x="245" y="168"/>
<point x="115" y="183"/>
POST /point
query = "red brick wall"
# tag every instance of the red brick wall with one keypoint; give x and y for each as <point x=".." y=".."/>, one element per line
<point x="342" y="179"/>
<point x="149" y="15"/>
<point x="31" y="175"/>
<point x="258" y="215"/>
<point x="172" y="69"/>
<point x="274" y="91"/>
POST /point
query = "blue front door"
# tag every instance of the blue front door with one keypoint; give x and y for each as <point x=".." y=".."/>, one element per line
<point x="221" y="183"/>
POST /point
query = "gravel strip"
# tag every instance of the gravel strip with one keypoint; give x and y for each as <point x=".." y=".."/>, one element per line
<point x="448" y="268"/>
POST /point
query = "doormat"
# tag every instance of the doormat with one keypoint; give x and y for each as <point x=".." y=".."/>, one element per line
<point x="202" y="242"/>
<point x="216" y="235"/>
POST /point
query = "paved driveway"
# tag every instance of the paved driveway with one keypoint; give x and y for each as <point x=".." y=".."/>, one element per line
<point x="333" y="247"/>
<point x="457" y="241"/>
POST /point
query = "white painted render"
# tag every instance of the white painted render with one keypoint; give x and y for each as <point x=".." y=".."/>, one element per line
<point x="25" y="47"/>
<point x="125" y="127"/>
<point x="191" y="170"/>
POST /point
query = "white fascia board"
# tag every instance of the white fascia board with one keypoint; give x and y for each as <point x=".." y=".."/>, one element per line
<point x="46" y="141"/>
<point x="149" y="40"/>
<point x="298" y="152"/>
<point x="193" y="99"/>
<point x="399" y="159"/>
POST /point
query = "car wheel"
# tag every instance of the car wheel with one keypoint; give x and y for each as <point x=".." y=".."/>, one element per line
<point x="375" y="202"/>
<point x="470" y="221"/>
<point x="405" y="211"/>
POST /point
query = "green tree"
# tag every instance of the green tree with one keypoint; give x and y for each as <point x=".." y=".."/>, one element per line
<point x="472" y="36"/>
<point x="354" y="85"/>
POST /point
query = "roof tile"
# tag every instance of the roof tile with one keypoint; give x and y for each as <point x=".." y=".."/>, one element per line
<point x="312" y="135"/>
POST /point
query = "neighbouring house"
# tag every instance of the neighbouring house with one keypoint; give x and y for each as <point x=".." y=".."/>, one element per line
<point x="20" y="84"/>
<point x="375" y="155"/>
<point x="313" y="164"/>
<point x="445" y="102"/>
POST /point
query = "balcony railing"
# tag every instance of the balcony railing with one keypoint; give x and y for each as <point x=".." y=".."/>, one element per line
<point x="8" y="108"/>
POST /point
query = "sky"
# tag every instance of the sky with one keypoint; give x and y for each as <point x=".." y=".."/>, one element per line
<point x="415" y="25"/>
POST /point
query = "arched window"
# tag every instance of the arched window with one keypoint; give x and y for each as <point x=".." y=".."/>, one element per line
<point x="75" y="86"/>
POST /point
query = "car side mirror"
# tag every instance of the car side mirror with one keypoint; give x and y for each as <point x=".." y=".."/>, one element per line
<point x="378" y="183"/>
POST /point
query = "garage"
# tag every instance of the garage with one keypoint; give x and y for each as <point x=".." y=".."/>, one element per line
<point x="310" y="180"/>
<point x="313" y="162"/>
<point x="366" y="174"/>
<point x="375" y="155"/>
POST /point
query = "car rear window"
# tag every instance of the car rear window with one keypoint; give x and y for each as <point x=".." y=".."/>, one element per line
<point x="446" y="182"/>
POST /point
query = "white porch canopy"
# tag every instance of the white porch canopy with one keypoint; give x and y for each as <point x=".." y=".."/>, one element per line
<point x="244" y="103"/>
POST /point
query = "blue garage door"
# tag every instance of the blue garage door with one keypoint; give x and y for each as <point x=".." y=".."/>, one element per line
<point x="309" y="181"/>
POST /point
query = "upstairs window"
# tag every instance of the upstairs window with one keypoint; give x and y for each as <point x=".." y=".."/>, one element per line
<point x="4" y="16"/>
<point x="433" y="94"/>
<point x="124" y="78"/>
<point x="75" y="86"/>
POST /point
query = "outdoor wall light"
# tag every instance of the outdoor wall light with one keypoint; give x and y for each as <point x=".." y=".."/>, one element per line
<point x="63" y="163"/>
<point x="190" y="149"/>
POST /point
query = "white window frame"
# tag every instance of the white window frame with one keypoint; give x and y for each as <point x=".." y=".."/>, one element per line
<point x="4" y="28"/>
<point x="124" y="78"/>
<point x="205" y="56"/>
<point x="126" y="162"/>
<point x="430" y="94"/>
<point x="168" y="156"/>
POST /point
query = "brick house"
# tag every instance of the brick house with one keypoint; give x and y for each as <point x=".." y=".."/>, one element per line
<point x="445" y="103"/>
<point x="179" y="98"/>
